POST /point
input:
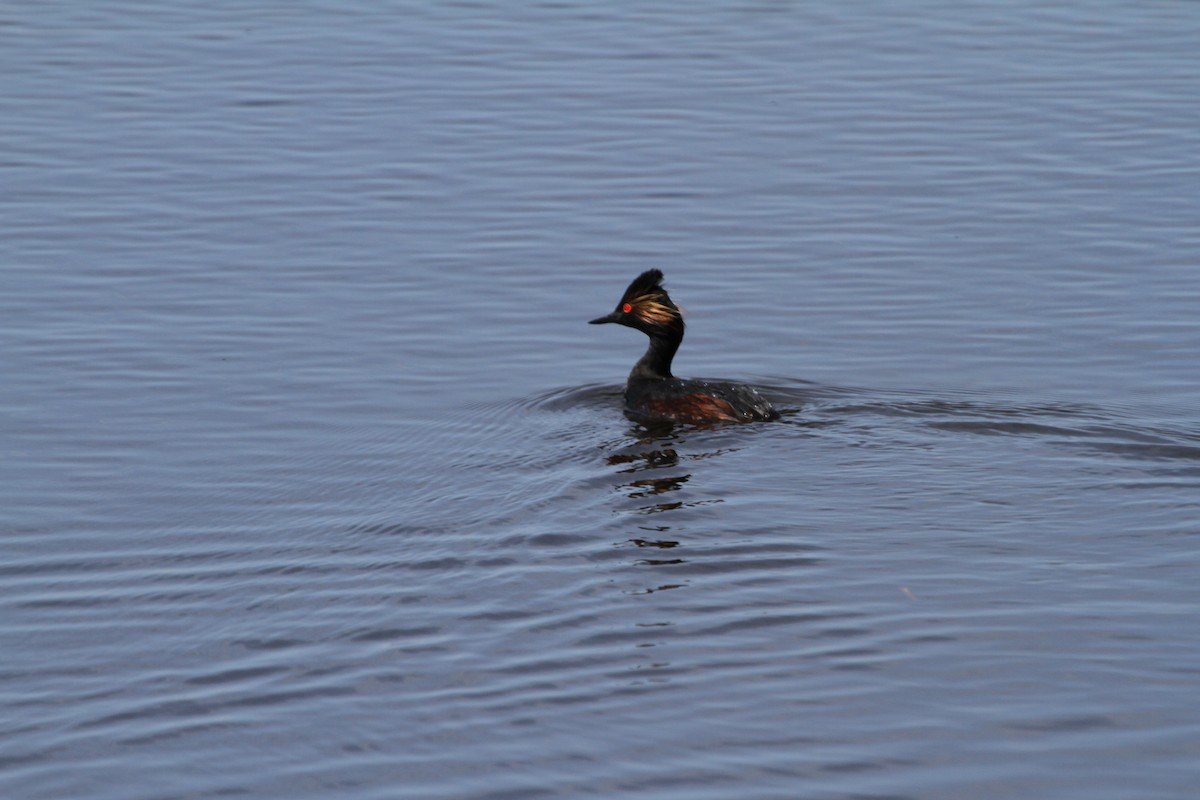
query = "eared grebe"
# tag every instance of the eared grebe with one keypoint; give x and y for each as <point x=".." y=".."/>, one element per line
<point x="652" y="392"/>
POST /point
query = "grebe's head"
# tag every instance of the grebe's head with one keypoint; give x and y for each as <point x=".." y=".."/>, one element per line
<point x="647" y="307"/>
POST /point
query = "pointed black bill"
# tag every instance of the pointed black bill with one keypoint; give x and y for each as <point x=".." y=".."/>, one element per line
<point x="613" y="317"/>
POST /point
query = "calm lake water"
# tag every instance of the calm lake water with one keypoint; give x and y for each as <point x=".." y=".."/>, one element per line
<point x="314" y="483"/>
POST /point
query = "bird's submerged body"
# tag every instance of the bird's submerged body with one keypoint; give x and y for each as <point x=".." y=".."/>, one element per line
<point x="695" y="401"/>
<point x="652" y="393"/>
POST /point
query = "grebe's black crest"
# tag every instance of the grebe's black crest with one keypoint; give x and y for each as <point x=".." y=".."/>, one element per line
<point x="652" y="392"/>
<point x="646" y="305"/>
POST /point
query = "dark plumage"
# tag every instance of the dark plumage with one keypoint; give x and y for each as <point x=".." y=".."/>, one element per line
<point x="652" y="392"/>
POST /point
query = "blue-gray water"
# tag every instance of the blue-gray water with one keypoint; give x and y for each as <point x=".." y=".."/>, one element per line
<point x="315" y="482"/>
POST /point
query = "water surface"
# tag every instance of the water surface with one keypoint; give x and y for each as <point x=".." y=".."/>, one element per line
<point x="315" y="482"/>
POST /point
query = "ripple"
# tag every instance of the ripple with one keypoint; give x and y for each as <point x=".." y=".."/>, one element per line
<point x="293" y="506"/>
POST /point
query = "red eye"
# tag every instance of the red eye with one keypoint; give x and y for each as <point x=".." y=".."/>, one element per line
<point x="627" y="308"/>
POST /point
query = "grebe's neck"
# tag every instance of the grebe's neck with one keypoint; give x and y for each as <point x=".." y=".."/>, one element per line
<point x="656" y="363"/>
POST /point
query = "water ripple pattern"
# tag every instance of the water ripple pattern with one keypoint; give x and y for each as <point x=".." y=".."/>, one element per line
<point x="314" y="481"/>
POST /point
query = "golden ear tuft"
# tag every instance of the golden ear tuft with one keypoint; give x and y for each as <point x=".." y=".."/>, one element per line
<point x="649" y="308"/>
